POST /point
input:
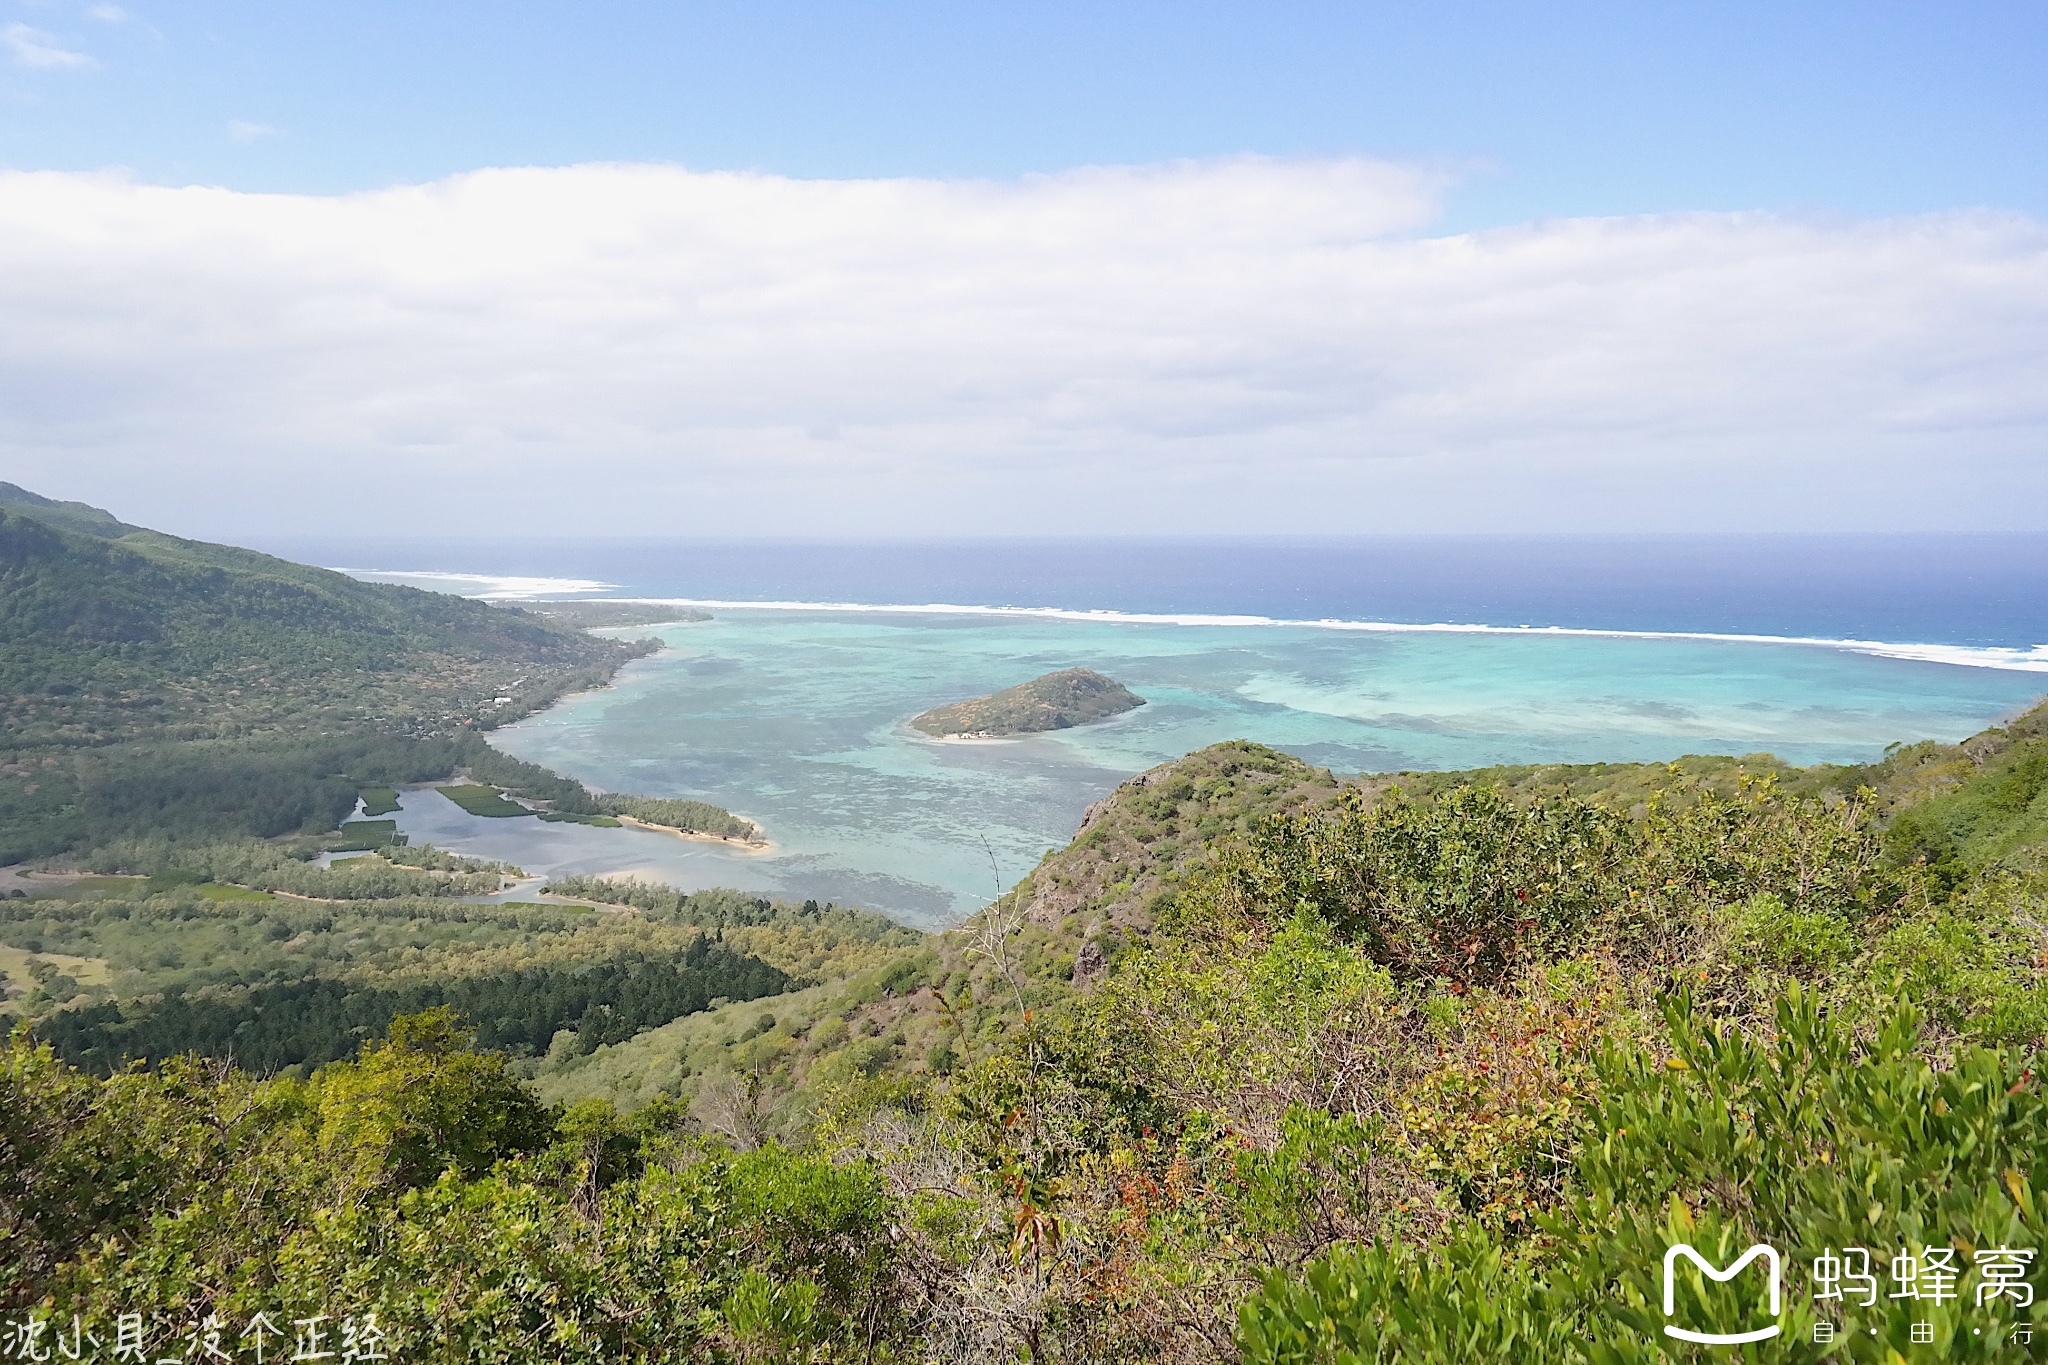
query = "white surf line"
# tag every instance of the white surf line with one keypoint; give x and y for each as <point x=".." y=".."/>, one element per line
<point x="2034" y="660"/>
<point x="502" y="587"/>
<point x="496" y="587"/>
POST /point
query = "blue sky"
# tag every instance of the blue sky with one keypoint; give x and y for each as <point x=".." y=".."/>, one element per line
<point x="777" y="268"/>
<point x="1544" y="109"/>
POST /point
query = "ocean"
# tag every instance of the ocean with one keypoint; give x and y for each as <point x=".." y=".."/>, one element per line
<point x="788" y="706"/>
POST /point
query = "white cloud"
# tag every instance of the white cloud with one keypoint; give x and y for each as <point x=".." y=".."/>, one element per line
<point x="31" y="47"/>
<point x="242" y="132"/>
<point x="1233" y="345"/>
<point x="108" y="14"/>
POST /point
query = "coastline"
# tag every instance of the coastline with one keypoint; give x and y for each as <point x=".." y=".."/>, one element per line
<point x="751" y="847"/>
<point x="896" y="798"/>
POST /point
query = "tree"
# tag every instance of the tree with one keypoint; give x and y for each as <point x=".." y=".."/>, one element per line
<point x="425" y="1100"/>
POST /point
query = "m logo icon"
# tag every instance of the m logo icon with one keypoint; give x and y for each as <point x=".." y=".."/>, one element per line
<point x="1770" y="1259"/>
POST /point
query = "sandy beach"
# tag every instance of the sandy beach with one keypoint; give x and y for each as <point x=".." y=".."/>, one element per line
<point x="752" y="847"/>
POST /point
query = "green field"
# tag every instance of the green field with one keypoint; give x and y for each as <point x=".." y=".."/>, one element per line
<point x="563" y="817"/>
<point x="379" y="801"/>
<point x="214" y="891"/>
<point x="367" y="834"/>
<point x="481" y="800"/>
<point x="86" y="971"/>
<point x="91" y="888"/>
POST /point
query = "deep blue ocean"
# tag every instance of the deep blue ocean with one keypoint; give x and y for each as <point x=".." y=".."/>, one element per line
<point x="789" y="705"/>
<point x="1971" y="590"/>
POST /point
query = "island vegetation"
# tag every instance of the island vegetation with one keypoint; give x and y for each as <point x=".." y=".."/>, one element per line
<point x="1055" y="701"/>
<point x="685" y="817"/>
<point x="608" y="809"/>
<point x="1267" y="1065"/>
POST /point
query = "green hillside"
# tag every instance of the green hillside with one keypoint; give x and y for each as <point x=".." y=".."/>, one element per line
<point x="158" y="687"/>
<point x="68" y="516"/>
<point x="114" y="640"/>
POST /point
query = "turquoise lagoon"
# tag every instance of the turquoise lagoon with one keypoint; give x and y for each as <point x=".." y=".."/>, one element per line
<point x="795" y="716"/>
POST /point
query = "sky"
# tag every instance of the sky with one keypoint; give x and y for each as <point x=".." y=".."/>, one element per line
<point x="898" y="269"/>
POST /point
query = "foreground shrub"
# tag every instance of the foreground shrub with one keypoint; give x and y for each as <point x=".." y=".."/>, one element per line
<point x="1810" y="1142"/>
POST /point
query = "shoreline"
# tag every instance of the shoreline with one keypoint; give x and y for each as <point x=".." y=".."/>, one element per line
<point x="750" y="847"/>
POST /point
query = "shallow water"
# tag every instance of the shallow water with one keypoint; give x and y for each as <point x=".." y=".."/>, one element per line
<point x="795" y="719"/>
<point x="795" y="716"/>
<point x="561" y="850"/>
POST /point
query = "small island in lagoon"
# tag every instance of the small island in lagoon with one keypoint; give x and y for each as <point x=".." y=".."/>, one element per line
<point x="1056" y="701"/>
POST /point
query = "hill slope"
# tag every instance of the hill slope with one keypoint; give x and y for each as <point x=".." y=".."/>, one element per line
<point x="109" y="640"/>
<point x="150" y="684"/>
<point x="69" y="516"/>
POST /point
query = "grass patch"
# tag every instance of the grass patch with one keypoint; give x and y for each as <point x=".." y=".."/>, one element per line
<point x="481" y="800"/>
<point x="93" y="889"/>
<point x="139" y="888"/>
<point x="379" y="800"/>
<point x="562" y="817"/>
<point x="216" y="891"/>
<point x="86" y="971"/>
<point x="365" y="835"/>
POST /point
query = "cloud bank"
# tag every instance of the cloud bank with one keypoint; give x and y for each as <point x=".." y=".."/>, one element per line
<point x="1242" y="345"/>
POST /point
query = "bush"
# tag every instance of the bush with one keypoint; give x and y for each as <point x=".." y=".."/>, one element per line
<point x="1807" y="1143"/>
